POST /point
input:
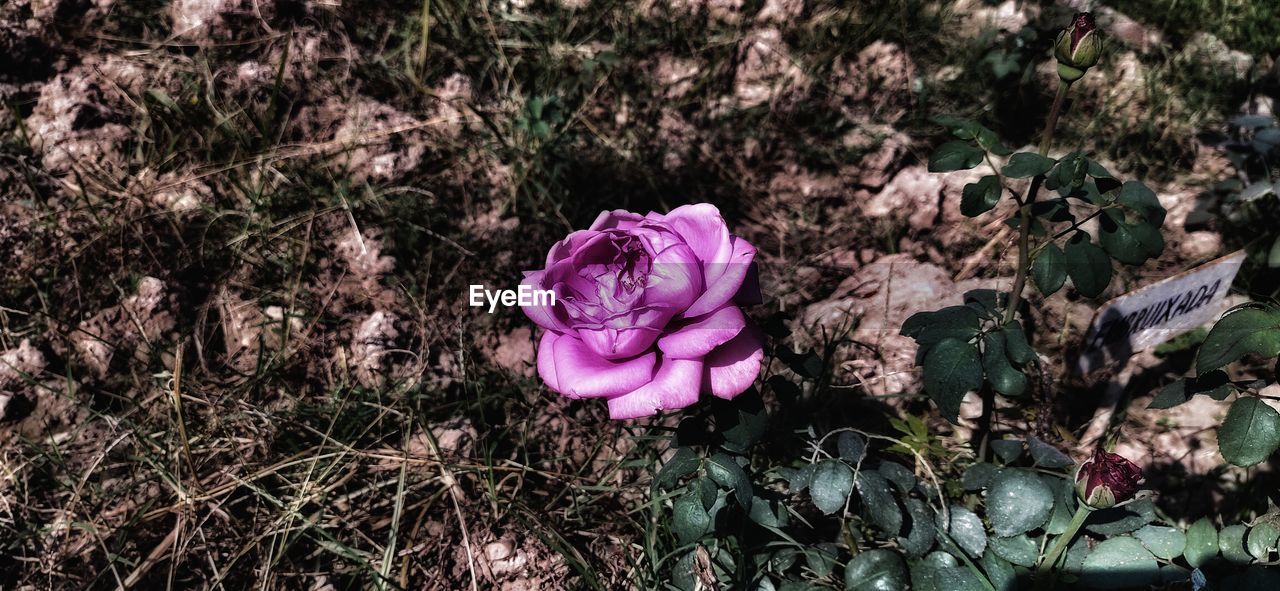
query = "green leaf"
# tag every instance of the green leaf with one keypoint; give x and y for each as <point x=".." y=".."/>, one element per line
<point x="1097" y="171"/>
<point x="1131" y="244"/>
<point x="726" y="472"/>
<point x="1241" y="331"/>
<point x="986" y="302"/>
<point x="967" y="531"/>
<point x="1068" y="174"/>
<point x="951" y="369"/>
<point x="928" y="328"/>
<point x="821" y="559"/>
<point x="1020" y="550"/>
<point x="1120" y="563"/>
<point x="798" y="481"/>
<point x="1164" y="542"/>
<point x="852" y="447"/>
<point x="1231" y="544"/>
<point x="1008" y="450"/>
<point x="959" y="578"/>
<point x="1137" y="197"/>
<point x="1273" y="256"/>
<point x="901" y="477"/>
<point x="1025" y="165"/>
<point x="978" y="476"/>
<point x="1088" y="266"/>
<point x="767" y="513"/>
<point x="1017" y="502"/>
<point x="1047" y="455"/>
<point x="1004" y="378"/>
<point x="1250" y="433"/>
<point x="689" y="520"/>
<point x="921" y="534"/>
<point x="830" y="485"/>
<point x="681" y="464"/>
<point x="1216" y="384"/>
<point x="1064" y="503"/>
<point x="878" y="502"/>
<point x="999" y="572"/>
<point x="1262" y="540"/>
<point x="1202" y="543"/>
<point x="1049" y="269"/>
<point x="1121" y="520"/>
<point x="980" y="197"/>
<point x="876" y="570"/>
<point x="1015" y="344"/>
<point x="962" y="128"/>
<point x="955" y="155"/>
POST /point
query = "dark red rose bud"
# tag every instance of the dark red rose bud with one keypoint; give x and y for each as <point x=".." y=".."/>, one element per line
<point x="1078" y="47"/>
<point x="1081" y="25"/>
<point x="1107" y="479"/>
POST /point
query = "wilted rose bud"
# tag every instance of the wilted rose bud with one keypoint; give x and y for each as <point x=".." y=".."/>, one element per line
<point x="1107" y="479"/>
<point x="1078" y="47"/>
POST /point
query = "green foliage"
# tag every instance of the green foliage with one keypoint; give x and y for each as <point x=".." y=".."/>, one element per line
<point x="1250" y="433"/>
<point x="830" y="485"/>
<point x="876" y="570"/>
<point x="951" y="368"/>
<point x="1024" y="165"/>
<point x="1251" y="329"/>
<point x="955" y="155"/>
<point x="1202" y="543"/>
<point x="980" y="197"/>
<point x="1018" y="502"/>
<point x="1087" y="265"/>
<point x="1120" y="563"/>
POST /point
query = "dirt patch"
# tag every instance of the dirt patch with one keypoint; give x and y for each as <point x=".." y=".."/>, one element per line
<point x="373" y="141"/>
<point x="875" y="84"/>
<point x="138" y="327"/>
<point x="766" y="71"/>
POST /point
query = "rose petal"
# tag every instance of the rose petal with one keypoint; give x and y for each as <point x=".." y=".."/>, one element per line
<point x="703" y="230"/>
<point x="696" y="338"/>
<point x="675" y="279"/>
<point x="550" y="317"/>
<point x="618" y="218"/>
<point x="581" y="373"/>
<point x="614" y="343"/>
<point x="676" y="385"/>
<point x="724" y="279"/>
<point x="735" y="365"/>
<point x="546" y="360"/>
<point x="565" y="248"/>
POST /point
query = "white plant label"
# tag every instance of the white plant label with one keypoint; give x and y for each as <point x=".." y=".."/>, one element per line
<point x="1158" y="312"/>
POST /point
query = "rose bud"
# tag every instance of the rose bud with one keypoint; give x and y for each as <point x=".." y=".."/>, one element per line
<point x="1078" y="47"/>
<point x="1107" y="479"/>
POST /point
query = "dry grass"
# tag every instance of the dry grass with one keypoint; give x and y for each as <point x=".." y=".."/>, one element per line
<point x="240" y="254"/>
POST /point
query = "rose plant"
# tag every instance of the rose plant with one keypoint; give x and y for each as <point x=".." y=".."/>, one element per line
<point x="649" y="316"/>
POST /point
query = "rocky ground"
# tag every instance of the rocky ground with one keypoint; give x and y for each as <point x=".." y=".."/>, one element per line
<point x="236" y="235"/>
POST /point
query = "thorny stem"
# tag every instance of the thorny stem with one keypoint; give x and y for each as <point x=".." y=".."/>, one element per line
<point x="1024" y="254"/>
<point x="1059" y="545"/>
<point x="1024" y="225"/>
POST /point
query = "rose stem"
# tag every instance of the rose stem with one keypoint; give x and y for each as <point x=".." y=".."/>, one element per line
<point x="1024" y="256"/>
<point x="1060" y="544"/>
<point x="1024" y="225"/>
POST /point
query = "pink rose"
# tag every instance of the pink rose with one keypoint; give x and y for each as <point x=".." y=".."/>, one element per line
<point x="646" y="311"/>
